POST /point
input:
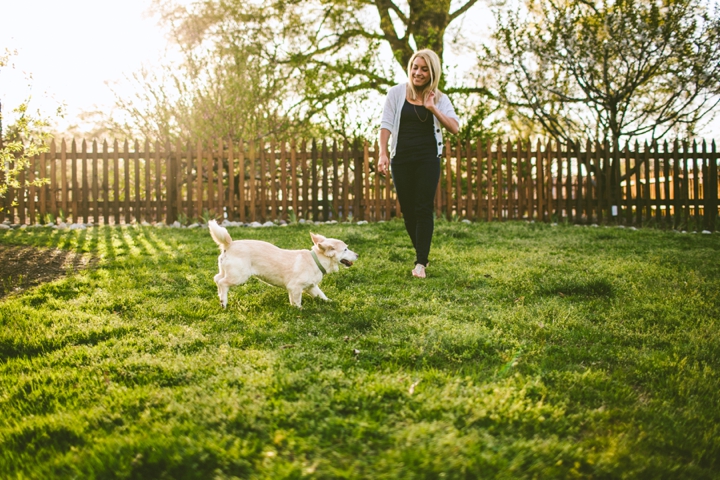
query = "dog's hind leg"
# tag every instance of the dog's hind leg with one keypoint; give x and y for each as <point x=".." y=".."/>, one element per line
<point x="227" y="278"/>
<point x="223" y="288"/>
<point x="225" y="282"/>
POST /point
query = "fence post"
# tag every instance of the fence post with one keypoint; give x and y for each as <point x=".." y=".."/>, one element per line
<point x="346" y="180"/>
<point x="711" y="190"/>
<point x="696" y="182"/>
<point x="212" y="166"/>
<point x="241" y="179"/>
<point x="53" y="188"/>
<point x="106" y="183"/>
<point x="314" y="187"/>
<point x="367" y="212"/>
<point x="305" y="190"/>
<point x="270" y="162"/>
<point x="116" y="184"/>
<point x="325" y="182"/>
<point x="220" y="204"/>
<point x="293" y="178"/>
<point x="378" y="203"/>
<point x="676" y="217"/>
<point x="169" y="184"/>
<point x="284" y="180"/>
<point x="478" y="181"/>
<point x="357" y="179"/>
<point x="42" y="189"/>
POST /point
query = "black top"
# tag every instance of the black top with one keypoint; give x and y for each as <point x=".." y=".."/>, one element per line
<point x="416" y="140"/>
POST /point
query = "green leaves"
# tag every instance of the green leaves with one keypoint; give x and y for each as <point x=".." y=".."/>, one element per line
<point x="20" y="141"/>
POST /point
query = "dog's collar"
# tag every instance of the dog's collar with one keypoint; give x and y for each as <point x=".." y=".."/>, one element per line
<point x="317" y="262"/>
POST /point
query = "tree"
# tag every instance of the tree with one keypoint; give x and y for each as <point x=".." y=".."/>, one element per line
<point x="236" y="96"/>
<point x="608" y="69"/>
<point x="309" y="64"/>
<point x="22" y="140"/>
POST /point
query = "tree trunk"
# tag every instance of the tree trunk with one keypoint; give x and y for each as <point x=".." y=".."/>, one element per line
<point x="428" y="21"/>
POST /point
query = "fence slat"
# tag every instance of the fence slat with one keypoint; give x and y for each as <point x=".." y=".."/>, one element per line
<point x="366" y="193"/>
<point x="53" y="187"/>
<point x="231" y="182"/>
<point x="116" y="183"/>
<point x="710" y="187"/>
<point x="346" y="193"/>
<point x="147" y="155"/>
<point x="283" y="180"/>
<point x="460" y="198"/>
<point x="43" y="188"/>
<point x="697" y="161"/>
<point x="94" y="185"/>
<point x="305" y="186"/>
<point x="84" y="213"/>
<point x="30" y="190"/>
<point x="325" y="182"/>
<point x="126" y="183"/>
<point x="170" y="176"/>
<point x="262" y="193"/>
<point x="478" y="181"/>
<point x="293" y="178"/>
<point x="220" y="203"/>
<point x="510" y="181"/>
<point x="335" y="183"/>
<point x="241" y="181"/>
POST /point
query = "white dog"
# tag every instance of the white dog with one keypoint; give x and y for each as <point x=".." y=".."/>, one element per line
<point x="296" y="270"/>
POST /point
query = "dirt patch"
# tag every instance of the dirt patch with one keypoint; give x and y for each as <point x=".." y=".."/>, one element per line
<point x="22" y="267"/>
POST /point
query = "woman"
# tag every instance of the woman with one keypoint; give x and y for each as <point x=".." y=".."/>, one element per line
<point x="413" y="115"/>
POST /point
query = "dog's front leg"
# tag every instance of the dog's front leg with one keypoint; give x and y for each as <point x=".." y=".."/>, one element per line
<point x="316" y="292"/>
<point x="295" y="297"/>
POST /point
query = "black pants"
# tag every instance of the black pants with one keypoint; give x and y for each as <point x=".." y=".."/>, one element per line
<point x="415" y="184"/>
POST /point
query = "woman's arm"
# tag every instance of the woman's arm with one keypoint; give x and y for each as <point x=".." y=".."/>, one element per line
<point x="383" y="159"/>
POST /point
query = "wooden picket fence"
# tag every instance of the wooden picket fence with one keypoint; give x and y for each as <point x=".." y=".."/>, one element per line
<point x="668" y="185"/>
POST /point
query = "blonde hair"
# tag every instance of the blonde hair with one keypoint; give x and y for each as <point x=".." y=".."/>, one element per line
<point x="433" y="62"/>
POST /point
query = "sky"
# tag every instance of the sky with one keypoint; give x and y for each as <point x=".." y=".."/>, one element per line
<point x="70" y="52"/>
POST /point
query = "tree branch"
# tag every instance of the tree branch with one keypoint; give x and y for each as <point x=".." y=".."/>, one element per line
<point x="462" y="9"/>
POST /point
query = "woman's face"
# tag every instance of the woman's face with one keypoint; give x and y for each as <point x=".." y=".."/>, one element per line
<point x="420" y="72"/>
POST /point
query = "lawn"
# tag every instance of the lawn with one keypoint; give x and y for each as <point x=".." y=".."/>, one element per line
<point x="530" y="351"/>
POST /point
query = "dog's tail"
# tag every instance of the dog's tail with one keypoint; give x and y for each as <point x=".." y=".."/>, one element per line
<point x="220" y="235"/>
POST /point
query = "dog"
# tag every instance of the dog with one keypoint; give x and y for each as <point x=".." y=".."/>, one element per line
<point x="296" y="270"/>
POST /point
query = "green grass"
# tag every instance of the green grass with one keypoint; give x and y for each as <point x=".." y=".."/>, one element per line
<point x="530" y="351"/>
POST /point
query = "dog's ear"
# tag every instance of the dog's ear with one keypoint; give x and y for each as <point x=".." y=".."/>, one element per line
<point x="328" y="249"/>
<point x="317" y="239"/>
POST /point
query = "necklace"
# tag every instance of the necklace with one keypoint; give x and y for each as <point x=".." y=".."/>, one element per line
<point x="423" y="120"/>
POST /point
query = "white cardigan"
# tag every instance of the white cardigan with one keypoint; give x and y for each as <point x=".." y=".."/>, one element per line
<point x="391" y="115"/>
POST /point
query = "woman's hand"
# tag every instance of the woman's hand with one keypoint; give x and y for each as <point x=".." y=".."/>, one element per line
<point x="429" y="101"/>
<point x="383" y="164"/>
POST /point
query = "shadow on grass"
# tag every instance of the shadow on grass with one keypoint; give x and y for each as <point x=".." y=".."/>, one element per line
<point x="22" y="267"/>
<point x="592" y="288"/>
<point x="18" y="347"/>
